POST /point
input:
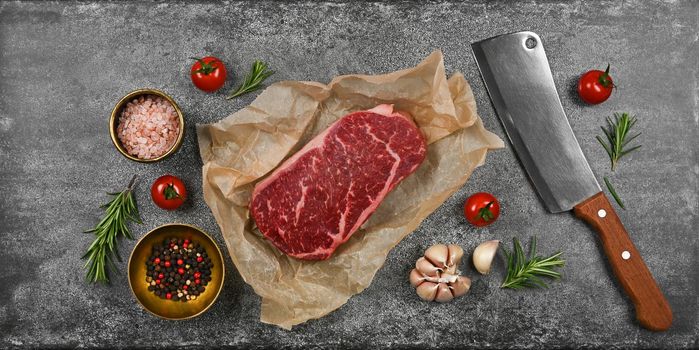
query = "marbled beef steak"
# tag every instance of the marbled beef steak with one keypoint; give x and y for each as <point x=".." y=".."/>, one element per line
<point x="320" y="196"/>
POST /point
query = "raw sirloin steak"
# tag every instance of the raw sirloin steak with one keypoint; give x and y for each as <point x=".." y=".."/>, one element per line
<point x="320" y="196"/>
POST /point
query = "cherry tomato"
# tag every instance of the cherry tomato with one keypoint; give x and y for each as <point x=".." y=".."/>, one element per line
<point x="595" y="86"/>
<point x="208" y="73"/>
<point x="168" y="192"/>
<point x="481" y="209"/>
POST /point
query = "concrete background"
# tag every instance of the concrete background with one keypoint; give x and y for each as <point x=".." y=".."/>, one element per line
<point x="64" y="65"/>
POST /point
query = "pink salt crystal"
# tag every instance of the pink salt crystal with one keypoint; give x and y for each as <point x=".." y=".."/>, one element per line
<point x="148" y="126"/>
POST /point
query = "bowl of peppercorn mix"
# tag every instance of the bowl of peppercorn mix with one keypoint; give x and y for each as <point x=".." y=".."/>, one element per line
<point x="176" y="271"/>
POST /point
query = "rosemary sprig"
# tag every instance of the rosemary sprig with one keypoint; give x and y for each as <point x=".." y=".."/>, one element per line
<point x="527" y="272"/>
<point x="253" y="80"/>
<point x="613" y="192"/>
<point x="119" y="211"/>
<point x="617" y="132"/>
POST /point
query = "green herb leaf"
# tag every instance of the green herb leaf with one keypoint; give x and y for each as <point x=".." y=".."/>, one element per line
<point x="253" y="80"/>
<point x="616" y="133"/>
<point x="119" y="211"/>
<point x="613" y="192"/>
<point x="523" y="271"/>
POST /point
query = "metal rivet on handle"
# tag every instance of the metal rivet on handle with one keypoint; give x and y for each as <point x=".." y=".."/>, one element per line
<point x="530" y="43"/>
<point x="602" y="213"/>
<point x="625" y="255"/>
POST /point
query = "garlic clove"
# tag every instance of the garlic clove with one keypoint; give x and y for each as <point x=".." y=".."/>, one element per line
<point x="443" y="293"/>
<point x="426" y="267"/>
<point x="438" y="255"/>
<point x="427" y="290"/>
<point x="454" y="258"/>
<point x="461" y="286"/>
<point x="416" y="277"/>
<point x="483" y="256"/>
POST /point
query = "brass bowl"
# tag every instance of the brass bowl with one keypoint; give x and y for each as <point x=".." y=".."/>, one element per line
<point x="114" y="123"/>
<point x="168" y="309"/>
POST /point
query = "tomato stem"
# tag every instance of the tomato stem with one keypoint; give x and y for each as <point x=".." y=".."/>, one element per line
<point x="206" y="68"/>
<point x="170" y="192"/>
<point x="604" y="78"/>
<point x="485" y="213"/>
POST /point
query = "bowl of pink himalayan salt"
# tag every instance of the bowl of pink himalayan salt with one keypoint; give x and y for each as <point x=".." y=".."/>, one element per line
<point x="146" y="125"/>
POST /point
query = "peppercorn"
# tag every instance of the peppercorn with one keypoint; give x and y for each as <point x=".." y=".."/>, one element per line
<point x="178" y="267"/>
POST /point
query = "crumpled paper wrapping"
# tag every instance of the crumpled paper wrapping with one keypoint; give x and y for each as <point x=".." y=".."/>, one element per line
<point x="242" y="148"/>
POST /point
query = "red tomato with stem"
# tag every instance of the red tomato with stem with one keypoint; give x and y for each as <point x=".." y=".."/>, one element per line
<point x="168" y="192"/>
<point x="208" y="73"/>
<point x="595" y="86"/>
<point x="481" y="209"/>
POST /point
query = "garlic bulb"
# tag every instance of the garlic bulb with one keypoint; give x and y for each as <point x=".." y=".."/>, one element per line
<point x="436" y="275"/>
<point x="483" y="256"/>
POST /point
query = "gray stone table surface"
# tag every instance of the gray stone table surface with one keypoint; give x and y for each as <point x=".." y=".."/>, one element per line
<point x="63" y="65"/>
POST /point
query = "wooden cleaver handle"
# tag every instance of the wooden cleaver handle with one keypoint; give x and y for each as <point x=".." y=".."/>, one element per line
<point x="652" y="309"/>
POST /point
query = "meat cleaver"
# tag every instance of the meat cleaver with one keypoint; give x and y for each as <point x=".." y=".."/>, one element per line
<point x="519" y="81"/>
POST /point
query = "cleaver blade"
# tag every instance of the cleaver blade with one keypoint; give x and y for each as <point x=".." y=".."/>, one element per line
<point x="521" y="87"/>
<point x="518" y="78"/>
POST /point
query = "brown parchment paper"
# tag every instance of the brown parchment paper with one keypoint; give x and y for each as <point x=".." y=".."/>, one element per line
<point x="242" y="148"/>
